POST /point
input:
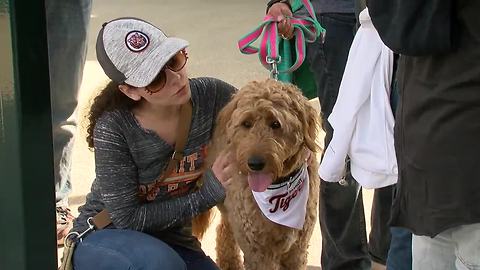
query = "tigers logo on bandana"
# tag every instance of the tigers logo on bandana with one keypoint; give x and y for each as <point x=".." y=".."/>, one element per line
<point x="136" y="41"/>
<point x="286" y="203"/>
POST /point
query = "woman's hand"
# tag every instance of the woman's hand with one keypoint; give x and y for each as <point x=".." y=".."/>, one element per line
<point x="223" y="168"/>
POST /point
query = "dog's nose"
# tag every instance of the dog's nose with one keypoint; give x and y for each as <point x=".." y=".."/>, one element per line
<point x="256" y="163"/>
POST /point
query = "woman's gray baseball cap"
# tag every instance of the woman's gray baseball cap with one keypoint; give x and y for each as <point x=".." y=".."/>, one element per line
<point x="133" y="51"/>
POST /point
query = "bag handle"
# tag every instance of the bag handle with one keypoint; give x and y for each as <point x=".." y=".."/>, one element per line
<point x="149" y="192"/>
<point x="102" y="219"/>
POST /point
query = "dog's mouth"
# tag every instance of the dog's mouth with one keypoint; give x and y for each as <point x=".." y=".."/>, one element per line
<point x="259" y="181"/>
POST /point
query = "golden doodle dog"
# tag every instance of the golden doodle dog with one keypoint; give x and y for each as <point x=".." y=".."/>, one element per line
<point x="270" y="128"/>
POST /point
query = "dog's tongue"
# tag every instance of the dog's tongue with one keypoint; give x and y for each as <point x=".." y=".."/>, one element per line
<point x="259" y="182"/>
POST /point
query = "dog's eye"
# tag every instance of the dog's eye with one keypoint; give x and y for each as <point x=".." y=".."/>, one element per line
<point x="247" y="124"/>
<point x="275" y="125"/>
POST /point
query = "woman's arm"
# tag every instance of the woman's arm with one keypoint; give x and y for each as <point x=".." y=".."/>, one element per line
<point x="116" y="179"/>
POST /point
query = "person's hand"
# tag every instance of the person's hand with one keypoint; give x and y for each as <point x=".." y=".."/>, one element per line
<point x="223" y="168"/>
<point x="280" y="12"/>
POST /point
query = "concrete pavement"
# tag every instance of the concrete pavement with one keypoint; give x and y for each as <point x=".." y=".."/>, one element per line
<point x="213" y="28"/>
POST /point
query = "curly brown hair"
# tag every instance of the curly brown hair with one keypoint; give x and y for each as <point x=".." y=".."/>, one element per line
<point x="109" y="99"/>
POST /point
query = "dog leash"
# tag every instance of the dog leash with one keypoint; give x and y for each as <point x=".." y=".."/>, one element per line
<point x="306" y="29"/>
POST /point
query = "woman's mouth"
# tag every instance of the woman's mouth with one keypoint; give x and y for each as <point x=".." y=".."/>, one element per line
<point x="181" y="91"/>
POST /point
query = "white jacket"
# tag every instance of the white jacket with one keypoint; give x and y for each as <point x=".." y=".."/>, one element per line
<point x="362" y="118"/>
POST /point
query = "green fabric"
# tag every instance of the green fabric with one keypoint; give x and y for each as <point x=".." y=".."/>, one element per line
<point x="285" y="52"/>
<point x="302" y="77"/>
<point x="296" y="5"/>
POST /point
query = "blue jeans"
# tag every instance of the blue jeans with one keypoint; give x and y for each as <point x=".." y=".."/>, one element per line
<point x="341" y="213"/>
<point x="400" y="253"/>
<point x="115" y="249"/>
<point x="67" y="25"/>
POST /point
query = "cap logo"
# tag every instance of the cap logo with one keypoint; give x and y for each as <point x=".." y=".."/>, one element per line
<point x="136" y="41"/>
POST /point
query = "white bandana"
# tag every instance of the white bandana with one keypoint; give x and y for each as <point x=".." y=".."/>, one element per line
<point x="286" y="203"/>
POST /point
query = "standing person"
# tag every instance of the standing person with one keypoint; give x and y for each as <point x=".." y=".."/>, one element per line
<point x="67" y="25"/>
<point x="342" y="221"/>
<point x="437" y="131"/>
<point x="133" y="130"/>
<point x="400" y="251"/>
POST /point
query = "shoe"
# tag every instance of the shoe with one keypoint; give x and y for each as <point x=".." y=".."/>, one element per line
<point x="64" y="223"/>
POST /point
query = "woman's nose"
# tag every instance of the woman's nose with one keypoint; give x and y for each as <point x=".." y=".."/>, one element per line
<point x="172" y="76"/>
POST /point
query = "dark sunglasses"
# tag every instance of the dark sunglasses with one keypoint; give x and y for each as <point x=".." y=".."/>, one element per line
<point x="175" y="64"/>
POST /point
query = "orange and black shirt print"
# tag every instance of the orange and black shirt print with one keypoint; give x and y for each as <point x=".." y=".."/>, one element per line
<point x="183" y="180"/>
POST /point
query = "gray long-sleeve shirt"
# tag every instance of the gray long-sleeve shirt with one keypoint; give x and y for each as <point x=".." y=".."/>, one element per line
<point x="127" y="155"/>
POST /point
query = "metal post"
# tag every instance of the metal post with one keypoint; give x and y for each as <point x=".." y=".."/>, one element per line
<point x="27" y="196"/>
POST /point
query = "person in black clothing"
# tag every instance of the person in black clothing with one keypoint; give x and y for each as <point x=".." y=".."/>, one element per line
<point x="437" y="127"/>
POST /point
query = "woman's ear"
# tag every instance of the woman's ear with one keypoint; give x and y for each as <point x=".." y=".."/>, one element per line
<point x="130" y="91"/>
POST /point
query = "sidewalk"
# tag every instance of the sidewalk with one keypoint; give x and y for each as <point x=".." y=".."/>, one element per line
<point x="212" y="52"/>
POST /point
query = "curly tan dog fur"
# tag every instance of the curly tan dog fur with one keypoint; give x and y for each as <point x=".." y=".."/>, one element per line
<point x="272" y="122"/>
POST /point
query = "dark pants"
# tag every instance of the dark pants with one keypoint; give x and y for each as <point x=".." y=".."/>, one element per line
<point x="342" y="220"/>
<point x="67" y="26"/>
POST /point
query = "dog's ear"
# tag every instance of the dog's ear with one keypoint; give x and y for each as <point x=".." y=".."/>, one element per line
<point x="310" y="127"/>
<point x="308" y="115"/>
<point x="224" y="117"/>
